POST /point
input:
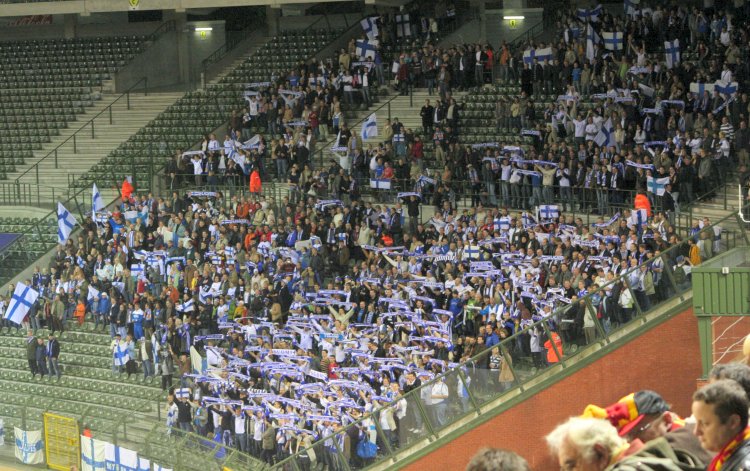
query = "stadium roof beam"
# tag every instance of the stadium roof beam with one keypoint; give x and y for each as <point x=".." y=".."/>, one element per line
<point x="86" y="7"/>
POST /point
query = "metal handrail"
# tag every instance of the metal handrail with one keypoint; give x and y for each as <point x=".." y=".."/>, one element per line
<point x="88" y="123"/>
<point x="474" y="360"/>
<point x="164" y="28"/>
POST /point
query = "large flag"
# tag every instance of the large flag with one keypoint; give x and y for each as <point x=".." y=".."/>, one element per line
<point x="120" y="354"/>
<point x="613" y="40"/>
<point x="592" y="39"/>
<point x="638" y="217"/>
<point x="29" y="446"/>
<point x="672" y="52"/>
<point x="93" y="293"/>
<point x="158" y="467"/>
<point x="370" y="127"/>
<point x="2" y="432"/>
<point x="120" y="459"/>
<point x="700" y="88"/>
<point x="590" y="14"/>
<point x="403" y="26"/>
<point x="97" y="202"/>
<point x="631" y="7"/>
<point x="370" y="27"/>
<point x="657" y="185"/>
<point x="65" y="223"/>
<point x="144" y="464"/>
<point x="21" y="302"/>
<point x="606" y="135"/>
<point x="366" y="48"/>
<point x="725" y="88"/>
<point x="92" y="454"/>
<point x="540" y="54"/>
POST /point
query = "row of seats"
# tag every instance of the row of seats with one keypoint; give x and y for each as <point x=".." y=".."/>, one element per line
<point x="185" y="123"/>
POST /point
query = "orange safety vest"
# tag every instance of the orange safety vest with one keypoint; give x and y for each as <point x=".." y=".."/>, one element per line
<point x="642" y="202"/>
<point x="255" y="185"/>
<point x="551" y="354"/>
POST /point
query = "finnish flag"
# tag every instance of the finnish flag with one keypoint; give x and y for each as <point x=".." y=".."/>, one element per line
<point x="65" y="223"/>
<point x="182" y="393"/>
<point x="366" y="48"/>
<point x="21" y="302"/>
<point x="403" y="26"/>
<point x="606" y="135"/>
<point x="119" y="458"/>
<point x="370" y="127"/>
<point x="672" y="52"/>
<point x="158" y="467"/>
<point x="97" y="203"/>
<point x="549" y="212"/>
<point x="638" y="217"/>
<point x="187" y="306"/>
<point x="93" y="293"/>
<point x="370" y="27"/>
<point x="120" y="354"/>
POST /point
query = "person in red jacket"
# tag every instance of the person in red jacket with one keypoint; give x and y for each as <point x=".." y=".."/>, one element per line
<point x="255" y="184"/>
<point x="552" y="352"/>
<point x="642" y="202"/>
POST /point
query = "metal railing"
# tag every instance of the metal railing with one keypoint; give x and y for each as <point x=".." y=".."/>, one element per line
<point x="166" y="27"/>
<point x="90" y="124"/>
<point x="474" y="388"/>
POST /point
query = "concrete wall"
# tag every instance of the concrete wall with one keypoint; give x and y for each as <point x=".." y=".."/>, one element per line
<point x="499" y="30"/>
<point x="160" y="63"/>
<point x="665" y="359"/>
<point x="102" y="24"/>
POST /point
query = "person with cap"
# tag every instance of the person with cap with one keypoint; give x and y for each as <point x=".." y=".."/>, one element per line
<point x="644" y="417"/>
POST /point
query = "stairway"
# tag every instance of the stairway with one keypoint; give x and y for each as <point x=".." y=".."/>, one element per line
<point x="89" y="151"/>
<point x="715" y="209"/>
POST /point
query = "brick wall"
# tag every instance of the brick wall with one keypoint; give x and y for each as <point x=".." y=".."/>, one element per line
<point x="665" y="359"/>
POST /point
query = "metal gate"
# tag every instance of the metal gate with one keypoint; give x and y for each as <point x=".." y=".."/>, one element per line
<point x="62" y="442"/>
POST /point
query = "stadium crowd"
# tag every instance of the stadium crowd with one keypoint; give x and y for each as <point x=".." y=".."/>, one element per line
<point x="607" y="117"/>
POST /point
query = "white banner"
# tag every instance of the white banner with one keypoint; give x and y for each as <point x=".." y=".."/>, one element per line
<point x="92" y="454"/>
<point x="29" y="446"/>
<point x="117" y="458"/>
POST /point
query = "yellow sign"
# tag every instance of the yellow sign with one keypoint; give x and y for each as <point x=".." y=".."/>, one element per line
<point x="134" y="4"/>
<point x="513" y="24"/>
<point x="203" y="35"/>
<point x="62" y="443"/>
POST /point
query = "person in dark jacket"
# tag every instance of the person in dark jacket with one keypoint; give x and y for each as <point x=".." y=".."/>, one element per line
<point x="53" y="353"/>
<point x="31" y="353"/>
<point x="40" y="354"/>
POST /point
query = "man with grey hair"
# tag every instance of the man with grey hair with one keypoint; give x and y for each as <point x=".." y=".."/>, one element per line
<point x="585" y="444"/>
<point x="495" y="459"/>
<point x="589" y="444"/>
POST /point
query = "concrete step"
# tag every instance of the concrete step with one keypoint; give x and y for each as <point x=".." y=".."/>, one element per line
<point x="77" y="156"/>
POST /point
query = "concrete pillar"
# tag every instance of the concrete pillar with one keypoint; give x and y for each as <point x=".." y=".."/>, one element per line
<point x="183" y="42"/>
<point x="481" y="7"/>
<point x="70" y="25"/>
<point x="273" y="14"/>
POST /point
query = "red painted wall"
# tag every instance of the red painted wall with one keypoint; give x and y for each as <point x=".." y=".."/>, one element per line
<point x="665" y="359"/>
